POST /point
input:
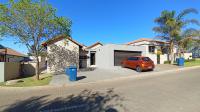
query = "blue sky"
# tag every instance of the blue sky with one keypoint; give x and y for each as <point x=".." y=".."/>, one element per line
<point x="112" y="21"/>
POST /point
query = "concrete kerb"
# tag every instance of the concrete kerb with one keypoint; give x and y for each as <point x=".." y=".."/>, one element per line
<point x="139" y="76"/>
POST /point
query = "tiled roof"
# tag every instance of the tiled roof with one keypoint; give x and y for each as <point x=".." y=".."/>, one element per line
<point x="145" y="39"/>
<point x="58" y="38"/>
<point x="10" y="51"/>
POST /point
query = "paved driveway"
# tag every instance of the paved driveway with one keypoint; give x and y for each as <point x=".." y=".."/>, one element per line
<point x="104" y="74"/>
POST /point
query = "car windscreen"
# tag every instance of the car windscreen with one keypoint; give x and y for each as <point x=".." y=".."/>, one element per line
<point x="146" y="59"/>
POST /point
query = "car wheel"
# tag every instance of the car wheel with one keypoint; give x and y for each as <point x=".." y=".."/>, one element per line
<point x="138" y="69"/>
<point x="123" y="66"/>
<point x="151" y="70"/>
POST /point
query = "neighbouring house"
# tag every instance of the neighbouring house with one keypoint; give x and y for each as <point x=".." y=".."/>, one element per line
<point x="195" y="52"/>
<point x="157" y="50"/>
<point x="10" y="55"/>
<point x="63" y="51"/>
<point x="195" y="48"/>
<point x="10" y="63"/>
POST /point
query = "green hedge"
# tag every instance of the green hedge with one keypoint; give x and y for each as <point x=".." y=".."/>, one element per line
<point x="189" y="60"/>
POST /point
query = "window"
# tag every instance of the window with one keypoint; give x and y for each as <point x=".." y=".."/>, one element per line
<point x="146" y="59"/>
<point x="133" y="58"/>
<point x="152" y="49"/>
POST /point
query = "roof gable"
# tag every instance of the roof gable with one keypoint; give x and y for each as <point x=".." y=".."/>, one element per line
<point x="93" y="45"/>
<point x="59" y="38"/>
<point x="145" y="39"/>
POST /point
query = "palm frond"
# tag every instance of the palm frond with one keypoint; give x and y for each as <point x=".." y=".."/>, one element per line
<point x="186" y="12"/>
<point x="190" y="32"/>
<point x="191" y="21"/>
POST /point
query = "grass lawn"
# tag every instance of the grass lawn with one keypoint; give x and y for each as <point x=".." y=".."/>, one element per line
<point x="193" y="63"/>
<point x="30" y="81"/>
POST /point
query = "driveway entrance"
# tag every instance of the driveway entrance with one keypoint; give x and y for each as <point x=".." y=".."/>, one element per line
<point x="99" y="74"/>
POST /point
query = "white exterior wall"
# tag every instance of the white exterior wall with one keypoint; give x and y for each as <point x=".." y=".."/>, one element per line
<point x="188" y="56"/>
<point x="66" y="44"/>
<point x="163" y="58"/>
<point x="41" y="59"/>
<point x="153" y="57"/>
<point x="105" y="54"/>
<point x="145" y="44"/>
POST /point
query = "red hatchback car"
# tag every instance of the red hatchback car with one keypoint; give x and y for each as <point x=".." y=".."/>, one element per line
<point x="139" y="63"/>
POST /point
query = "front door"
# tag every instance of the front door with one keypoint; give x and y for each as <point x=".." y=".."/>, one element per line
<point x="158" y="59"/>
<point x="92" y="58"/>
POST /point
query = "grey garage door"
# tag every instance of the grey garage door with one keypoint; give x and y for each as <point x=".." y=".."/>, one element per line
<point x="121" y="55"/>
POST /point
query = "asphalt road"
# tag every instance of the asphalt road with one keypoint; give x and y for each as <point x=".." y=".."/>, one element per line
<point x="171" y="92"/>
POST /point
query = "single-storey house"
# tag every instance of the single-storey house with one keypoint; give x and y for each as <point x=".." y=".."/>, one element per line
<point x="110" y="55"/>
<point x="195" y="52"/>
<point x="10" y="63"/>
<point x="157" y="50"/>
<point x="195" y="48"/>
<point x="10" y="55"/>
<point x="63" y="51"/>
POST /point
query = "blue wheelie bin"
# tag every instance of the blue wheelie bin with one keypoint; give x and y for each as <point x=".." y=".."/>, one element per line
<point x="181" y="61"/>
<point x="72" y="73"/>
<point x="67" y="71"/>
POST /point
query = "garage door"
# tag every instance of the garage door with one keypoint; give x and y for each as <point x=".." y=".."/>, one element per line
<point x="121" y="55"/>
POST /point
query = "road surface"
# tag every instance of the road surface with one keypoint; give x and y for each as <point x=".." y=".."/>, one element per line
<point x="171" y="92"/>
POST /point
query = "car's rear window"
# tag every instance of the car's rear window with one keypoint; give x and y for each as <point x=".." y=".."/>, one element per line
<point x="133" y="58"/>
<point x="146" y="59"/>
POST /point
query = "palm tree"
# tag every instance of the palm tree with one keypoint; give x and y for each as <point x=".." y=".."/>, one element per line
<point x="170" y="26"/>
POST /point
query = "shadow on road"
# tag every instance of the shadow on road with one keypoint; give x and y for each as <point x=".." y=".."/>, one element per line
<point x="80" y="78"/>
<point x="85" y="101"/>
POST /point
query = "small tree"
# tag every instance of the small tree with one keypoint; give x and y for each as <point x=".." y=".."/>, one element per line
<point x="190" y="39"/>
<point x="170" y="25"/>
<point x="31" y="22"/>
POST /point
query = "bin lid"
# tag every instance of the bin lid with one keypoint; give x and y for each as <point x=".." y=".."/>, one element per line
<point x="72" y="67"/>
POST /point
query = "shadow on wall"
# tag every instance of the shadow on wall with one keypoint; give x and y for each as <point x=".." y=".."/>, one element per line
<point x="27" y="70"/>
<point x="85" y="101"/>
<point x="59" y="58"/>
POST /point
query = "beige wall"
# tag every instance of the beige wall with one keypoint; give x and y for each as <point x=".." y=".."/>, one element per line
<point x="12" y="70"/>
<point x="2" y="79"/>
<point x="29" y="68"/>
<point x="9" y="71"/>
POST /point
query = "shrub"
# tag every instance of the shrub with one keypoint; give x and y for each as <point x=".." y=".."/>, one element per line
<point x="166" y="62"/>
<point x="189" y="60"/>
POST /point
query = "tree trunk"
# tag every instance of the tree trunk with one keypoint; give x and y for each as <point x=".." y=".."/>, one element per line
<point x="37" y="72"/>
<point x="172" y="52"/>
